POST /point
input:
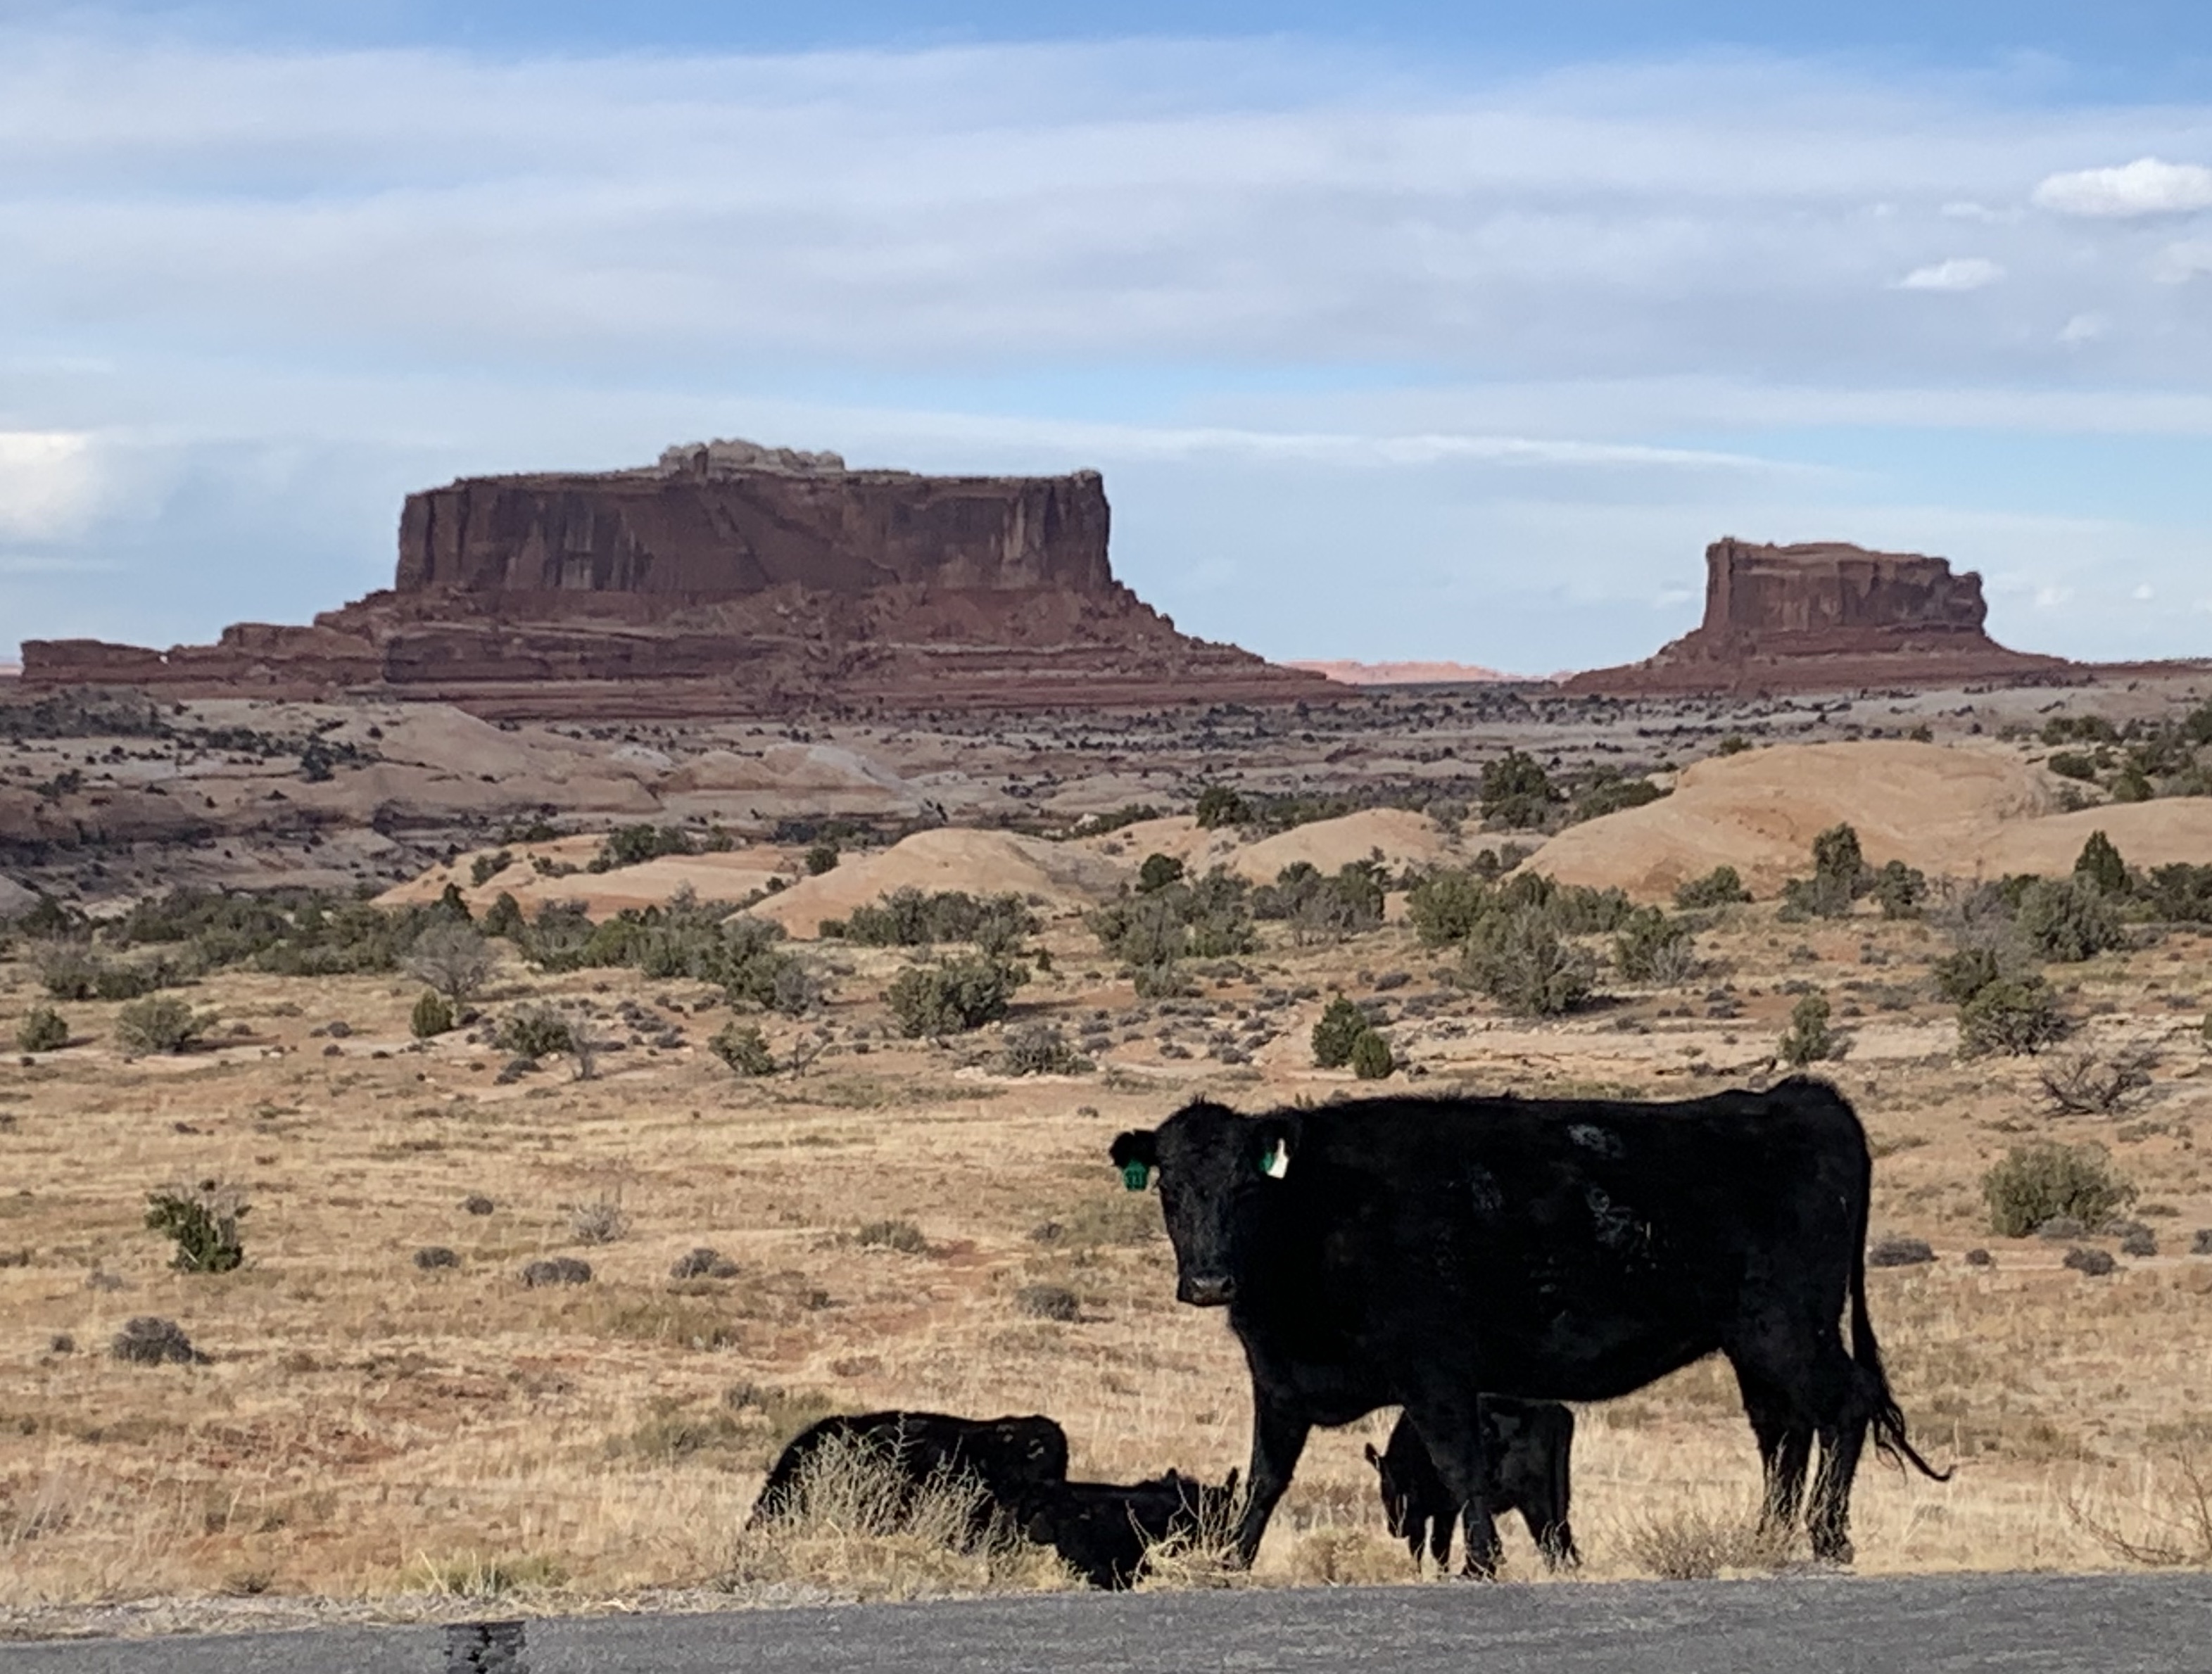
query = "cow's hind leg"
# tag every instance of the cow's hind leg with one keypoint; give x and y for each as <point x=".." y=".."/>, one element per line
<point x="1827" y="1393"/>
<point x="1785" y="1445"/>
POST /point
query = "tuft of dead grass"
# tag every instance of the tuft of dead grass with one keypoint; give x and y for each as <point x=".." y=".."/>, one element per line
<point x="1702" y="1543"/>
<point x="2169" y="1527"/>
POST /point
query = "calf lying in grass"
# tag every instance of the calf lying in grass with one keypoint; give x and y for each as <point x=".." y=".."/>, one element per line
<point x="1011" y="1459"/>
<point x="1105" y="1531"/>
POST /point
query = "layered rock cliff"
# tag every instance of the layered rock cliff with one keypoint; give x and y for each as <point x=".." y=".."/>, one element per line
<point x="726" y="577"/>
<point x="1824" y="616"/>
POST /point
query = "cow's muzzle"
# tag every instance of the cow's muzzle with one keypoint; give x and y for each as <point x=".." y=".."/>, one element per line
<point x="1207" y="1289"/>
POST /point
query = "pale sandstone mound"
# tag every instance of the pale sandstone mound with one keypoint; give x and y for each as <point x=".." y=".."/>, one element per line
<point x="2147" y="834"/>
<point x="733" y="877"/>
<point x="1928" y="805"/>
<point x="1065" y="876"/>
<point x="1404" y="839"/>
<point x="1826" y="617"/>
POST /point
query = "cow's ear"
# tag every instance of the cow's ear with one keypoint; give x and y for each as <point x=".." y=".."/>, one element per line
<point x="1278" y="1139"/>
<point x="1136" y="1154"/>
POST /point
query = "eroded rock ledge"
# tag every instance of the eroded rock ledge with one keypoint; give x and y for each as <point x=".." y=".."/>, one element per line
<point x="725" y="577"/>
<point x="1827" y="616"/>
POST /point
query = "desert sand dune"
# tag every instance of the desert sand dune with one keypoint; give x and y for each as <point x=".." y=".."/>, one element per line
<point x="981" y="863"/>
<point x="1933" y="806"/>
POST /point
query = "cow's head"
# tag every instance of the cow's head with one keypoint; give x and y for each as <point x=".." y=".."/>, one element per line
<point x="1033" y="1448"/>
<point x="1397" y="1503"/>
<point x="1216" y="1170"/>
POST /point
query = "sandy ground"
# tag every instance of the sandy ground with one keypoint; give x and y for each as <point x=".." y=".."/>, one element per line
<point x="364" y="1429"/>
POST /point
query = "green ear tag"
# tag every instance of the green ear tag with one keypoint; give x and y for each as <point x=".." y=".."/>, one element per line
<point x="1136" y="1175"/>
<point x="1275" y="1160"/>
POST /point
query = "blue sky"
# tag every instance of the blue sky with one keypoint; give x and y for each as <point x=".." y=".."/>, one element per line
<point x="1398" y="331"/>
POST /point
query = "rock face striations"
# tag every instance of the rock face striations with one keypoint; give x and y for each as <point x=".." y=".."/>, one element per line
<point x="1826" y="617"/>
<point x="728" y="578"/>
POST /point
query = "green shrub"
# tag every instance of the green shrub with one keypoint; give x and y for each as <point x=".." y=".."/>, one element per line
<point x="743" y="1048"/>
<point x="1653" y="947"/>
<point x="2015" y="1016"/>
<point x="535" y="1031"/>
<point x="42" y="1030"/>
<point x="504" y="918"/>
<point x="162" y="1023"/>
<point x="911" y="918"/>
<point x="433" y="1015"/>
<point x="1338" y="1032"/>
<point x="1517" y="791"/>
<point x="1961" y="975"/>
<point x="2069" y="920"/>
<point x="1839" y="877"/>
<point x="204" y="1224"/>
<point x="1520" y="960"/>
<point x="1720" y="886"/>
<point x="1809" y="1040"/>
<point x="1734" y="744"/>
<point x="1609" y="793"/>
<point x="486" y="867"/>
<point x="1217" y="806"/>
<point x="959" y="995"/>
<point x="820" y="858"/>
<point x="2073" y="764"/>
<point x="2037" y="1182"/>
<point x="1041" y="1050"/>
<point x="1317" y="904"/>
<point x="2179" y="893"/>
<point x="1158" y="872"/>
<point x="1443" y="906"/>
<point x="2100" y="864"/>
<point x="633" y="845"/>
<point x="1371" y="1057"/>
<point x="1898" y="890"/>
<point x="904" y="1236"/>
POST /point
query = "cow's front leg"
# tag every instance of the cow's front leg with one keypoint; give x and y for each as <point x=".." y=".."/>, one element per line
<point x="1279" y="1429"/>
<point x="1450" y="1427"/>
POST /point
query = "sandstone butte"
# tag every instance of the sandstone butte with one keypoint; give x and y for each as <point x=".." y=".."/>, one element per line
<point x="1828" y="617"/>
<point x="728" y="578"/>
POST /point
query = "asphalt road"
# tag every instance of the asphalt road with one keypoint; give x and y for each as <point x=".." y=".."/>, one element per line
<point x="1836" y="1625"/>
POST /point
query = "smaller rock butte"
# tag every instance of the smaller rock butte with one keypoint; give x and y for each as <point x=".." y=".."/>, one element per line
<point x="728" y="578"/>
<point x="1827" y="616"/>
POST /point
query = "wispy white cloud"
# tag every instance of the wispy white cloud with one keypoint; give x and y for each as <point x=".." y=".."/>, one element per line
<point x="1958" y="273"/>
<point x="2146" y="186"/>
<point x="47" y="483"/>
<point x="2177" y="264"/>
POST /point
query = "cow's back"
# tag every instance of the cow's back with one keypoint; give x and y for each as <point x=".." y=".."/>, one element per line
<point x="1584" y="1247"/>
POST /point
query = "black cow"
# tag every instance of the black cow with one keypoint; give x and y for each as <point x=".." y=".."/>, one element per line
<point x="1412" y="1252"/>
<point x="1104" y="1529"/>
<point x="1011" y="1458"/>
<point x="1528" y="1446"/>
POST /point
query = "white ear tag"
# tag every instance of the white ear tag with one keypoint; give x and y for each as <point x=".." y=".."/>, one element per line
<point x="1275" y="1160"/>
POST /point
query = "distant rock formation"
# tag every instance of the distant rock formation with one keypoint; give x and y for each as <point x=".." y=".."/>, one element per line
<point x="1345" y="672"/>
<point x="727" y="576"/>
<point x="1827" y="616"/>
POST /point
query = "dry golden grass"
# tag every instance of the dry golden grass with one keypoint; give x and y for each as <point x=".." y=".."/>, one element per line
<point x="364" y="1429"/>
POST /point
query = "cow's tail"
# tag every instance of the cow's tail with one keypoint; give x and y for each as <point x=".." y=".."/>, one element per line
<point x="1889" y="1438"/>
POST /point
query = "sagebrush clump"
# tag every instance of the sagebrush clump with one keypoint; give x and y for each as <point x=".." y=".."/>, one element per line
<point x="42" y="1030"/>
<point x="2039" y="1182"/>
<point x="1521" y="962"/>
<point x="159" y="1023"/>
<point x="951" y="999"/>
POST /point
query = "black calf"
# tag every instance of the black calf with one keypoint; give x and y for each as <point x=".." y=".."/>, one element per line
<point x="1527" y="1446"/>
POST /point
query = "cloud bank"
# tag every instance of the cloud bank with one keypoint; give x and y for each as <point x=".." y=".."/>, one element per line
<point x="1514" y="346"/>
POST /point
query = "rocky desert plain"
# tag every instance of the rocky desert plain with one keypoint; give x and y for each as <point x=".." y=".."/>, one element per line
<point x="801" y="1015"/>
